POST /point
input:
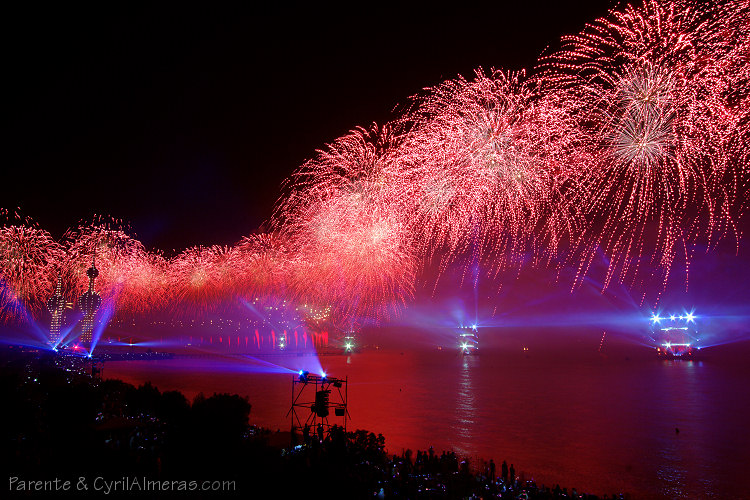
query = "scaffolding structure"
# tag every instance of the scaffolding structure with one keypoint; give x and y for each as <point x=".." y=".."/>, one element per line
<point x="318" y="403"/>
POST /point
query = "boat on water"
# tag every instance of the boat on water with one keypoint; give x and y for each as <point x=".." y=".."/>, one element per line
<point x="349" y="342"/>
<point x="676" y="351"/>
<point x="468" y="340"/>
<point x="676" y="336"/>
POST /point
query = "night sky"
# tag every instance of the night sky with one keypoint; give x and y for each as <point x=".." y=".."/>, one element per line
<point x="184" y="123"/>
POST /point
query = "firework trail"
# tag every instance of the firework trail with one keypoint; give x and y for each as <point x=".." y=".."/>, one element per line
<point x="488" y="160"/>
<point x="29" y="261"/>
<point x="201" y="279"/>
<point x="266" y="261"/>
<point x="630" y="141"/>
<point x="128" y="273"/>
<point x="353" y="243"/>
<point x="648" y="93"/>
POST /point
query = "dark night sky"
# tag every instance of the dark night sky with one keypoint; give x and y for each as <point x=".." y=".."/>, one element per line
<point x="184" y="123"/>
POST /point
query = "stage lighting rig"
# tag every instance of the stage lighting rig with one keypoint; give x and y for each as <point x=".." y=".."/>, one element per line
<point x="313" y="398"/>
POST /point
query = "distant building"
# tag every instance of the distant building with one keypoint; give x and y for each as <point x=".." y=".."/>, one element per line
<point x="56" y="307"/>
<point x="89" y="304"/>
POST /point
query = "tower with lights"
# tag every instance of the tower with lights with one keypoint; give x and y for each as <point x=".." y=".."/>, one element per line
<point x="89" y="303"/>
<point x="56" y="307"/>
<point x="313" y="398"/>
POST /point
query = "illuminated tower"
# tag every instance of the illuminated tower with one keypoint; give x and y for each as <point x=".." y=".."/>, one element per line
<point x="89" y="303"/>
<point x="56" y="306"/>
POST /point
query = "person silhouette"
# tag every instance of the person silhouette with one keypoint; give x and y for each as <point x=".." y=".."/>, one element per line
<point x="512" y="474"/>
<point x="504" y="471"/>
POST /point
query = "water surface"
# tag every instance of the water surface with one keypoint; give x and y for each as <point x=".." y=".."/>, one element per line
<point x="600" y="425"/>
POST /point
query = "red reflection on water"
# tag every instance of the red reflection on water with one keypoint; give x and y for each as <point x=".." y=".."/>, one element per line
<point x="601" y="426"/>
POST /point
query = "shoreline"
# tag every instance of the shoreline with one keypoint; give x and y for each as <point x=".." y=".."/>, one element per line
<point x="143" y="430"/>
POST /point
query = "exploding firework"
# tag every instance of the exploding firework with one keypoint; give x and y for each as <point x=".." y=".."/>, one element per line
<point x="132" y="278"/>
<point x="353" y="242"/>
<point x="646" y="88"/>
<point x="29" y="261"/>
<point x="202" y="279"/>
<point x="488" y="159"/>
<point x="266" y="261"/>
<point x="629" y="142"/>
<point x="734" y="41"/>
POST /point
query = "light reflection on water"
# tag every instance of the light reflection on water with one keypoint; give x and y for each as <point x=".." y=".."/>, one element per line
<point x="601" y="426"/>
<point x="465" y="413"/>
<point x="686" y="395"/>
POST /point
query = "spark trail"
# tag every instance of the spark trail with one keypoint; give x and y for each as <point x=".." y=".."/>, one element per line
<point x="629" y="141"/>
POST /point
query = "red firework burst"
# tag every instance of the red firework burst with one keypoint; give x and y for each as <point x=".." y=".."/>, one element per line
<point x="354" y="247"/>
<point x="128" y="273"/>
<point x="202" y="279"/>
<point x="488" y="159"/>
<point x="265" y="265"/>
<point x="646" y="88"/>
<point x="29" y="262"/>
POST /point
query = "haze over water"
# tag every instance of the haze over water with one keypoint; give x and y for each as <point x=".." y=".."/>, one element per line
<point x="599" y="424"/>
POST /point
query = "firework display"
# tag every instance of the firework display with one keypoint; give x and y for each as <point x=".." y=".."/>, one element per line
<point x="487" y="161"/>
<point x="353" y="241"/>
<point x="136" y="278"/>
<point x="29" y="261"/>
<point x="651" y="87"/>
<point x="628" y="141"/>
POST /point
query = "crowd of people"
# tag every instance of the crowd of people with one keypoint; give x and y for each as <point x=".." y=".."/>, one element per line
<point x="63" y="423"/>
<point x="360" y="460"/>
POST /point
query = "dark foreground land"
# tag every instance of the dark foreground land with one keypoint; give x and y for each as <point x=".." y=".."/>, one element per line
<point x="64" y="432"/>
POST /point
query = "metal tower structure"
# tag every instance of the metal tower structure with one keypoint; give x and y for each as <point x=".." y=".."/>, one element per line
<point x="89" y="303"/>
<point x="314" y="399"/>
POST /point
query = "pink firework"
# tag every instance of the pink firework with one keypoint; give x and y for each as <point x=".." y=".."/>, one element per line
<point x="128" y="274"/>
<point x="202" y="279"/>
<point x="29" y="262"/>
<point x="487" y="160"/>
<point x="265" y="263"/>
<point x="734" y="44"/>
<point x="648" y="92"/>
<point x="140" y="281"/>
<point x="354" y="245"/>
